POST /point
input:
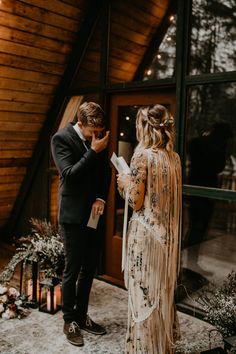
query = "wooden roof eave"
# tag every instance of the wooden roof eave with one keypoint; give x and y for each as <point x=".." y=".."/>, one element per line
<point x="84" y="36"/>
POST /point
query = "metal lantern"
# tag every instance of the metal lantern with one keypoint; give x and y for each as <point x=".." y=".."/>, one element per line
<point x="29" y="284"/>
<point x="49" y="297"/>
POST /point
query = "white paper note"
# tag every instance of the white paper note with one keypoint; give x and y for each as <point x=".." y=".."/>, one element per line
<point x="93" y="222"/>
<point x="120" y="163"/>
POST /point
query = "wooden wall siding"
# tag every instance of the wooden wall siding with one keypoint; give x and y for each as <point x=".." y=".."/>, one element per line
<point x="36" y="39"/>
<point x="89" y="73"/>
<point x="132" y="25"/>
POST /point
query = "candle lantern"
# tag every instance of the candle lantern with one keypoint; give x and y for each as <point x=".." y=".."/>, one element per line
<point x="29" y="284"/>
<point x="49" y="297"/>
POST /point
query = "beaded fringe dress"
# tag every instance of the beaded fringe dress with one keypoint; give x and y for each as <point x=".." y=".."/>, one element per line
<point x="152" y="252"/>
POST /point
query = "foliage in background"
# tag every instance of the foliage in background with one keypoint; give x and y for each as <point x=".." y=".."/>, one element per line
<point x="219" y="304"/>
<point x="43" y="246"/>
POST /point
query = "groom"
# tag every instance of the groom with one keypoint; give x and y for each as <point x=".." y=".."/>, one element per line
<point x="79" y="152"/>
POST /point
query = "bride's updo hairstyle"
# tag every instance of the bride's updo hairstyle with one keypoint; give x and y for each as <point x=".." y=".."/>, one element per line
<point x="155" y="128"/>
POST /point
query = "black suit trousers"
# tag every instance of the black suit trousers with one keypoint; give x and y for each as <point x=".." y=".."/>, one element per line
<point x="82" y="248"/>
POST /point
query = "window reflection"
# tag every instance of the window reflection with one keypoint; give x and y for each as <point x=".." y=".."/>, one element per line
<point x="126" y="144"/>
<point x="207" y="159"/>
<point x="211" y="137"/>
<point x="208" y="252"/>
<point x="208" y="244"/>
<point x="213" y="39"/>
<point x="163" y="62"/>
<point x="208" y="155"/>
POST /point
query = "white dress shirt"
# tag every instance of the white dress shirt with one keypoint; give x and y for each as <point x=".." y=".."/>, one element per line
<point x="79" y="132"/>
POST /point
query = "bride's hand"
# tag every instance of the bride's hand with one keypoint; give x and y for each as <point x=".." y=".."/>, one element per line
<point x="123" y="180"/>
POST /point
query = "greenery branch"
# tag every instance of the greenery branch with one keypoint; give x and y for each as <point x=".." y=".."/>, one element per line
<point x="43" y="246"/>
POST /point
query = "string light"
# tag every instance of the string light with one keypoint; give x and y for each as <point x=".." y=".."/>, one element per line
<point x="127" y="118"/>
<point x="171" y="18"/>
<point x="158" y="56"/>
<point x="121" y="134"/>
<point x="149" y="72"/>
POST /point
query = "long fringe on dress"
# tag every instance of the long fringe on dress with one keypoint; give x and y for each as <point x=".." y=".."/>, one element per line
<point x="152" y="261"/>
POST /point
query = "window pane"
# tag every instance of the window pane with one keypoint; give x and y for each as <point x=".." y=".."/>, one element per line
<point x="126" y="145"/>
<point x="213" y="39"/>
<point x="134" y="26"/>
<point x="163" y="62"/>
<point x="211" y="136"/>
<point x="208" y="252"/>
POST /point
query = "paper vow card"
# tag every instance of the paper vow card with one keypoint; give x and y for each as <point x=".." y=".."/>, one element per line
<point x="120" y="163"/>
<point x="93" y="221"/>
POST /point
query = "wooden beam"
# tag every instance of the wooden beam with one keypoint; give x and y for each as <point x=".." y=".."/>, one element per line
<point x="61" y="97"/>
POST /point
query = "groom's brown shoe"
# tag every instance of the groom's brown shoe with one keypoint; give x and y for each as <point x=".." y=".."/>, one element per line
<point x="90" y="326"/>
<point x="73" y="333"/>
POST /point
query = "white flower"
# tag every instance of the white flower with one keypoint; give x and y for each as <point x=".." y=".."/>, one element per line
<point x="3" y="299"/>
<point x="13" y="292"/>
<point x="10" y="314"/>
<point x="1" y="308"/>
<point x="6" y="316"/>
<point x="3" y="289"/>
<point x="18" y="302"/>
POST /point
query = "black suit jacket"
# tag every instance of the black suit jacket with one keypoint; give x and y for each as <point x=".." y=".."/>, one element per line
<point x="84" y="176"/>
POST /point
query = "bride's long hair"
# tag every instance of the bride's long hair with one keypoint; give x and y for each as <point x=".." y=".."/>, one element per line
<point x="155" y="128"/>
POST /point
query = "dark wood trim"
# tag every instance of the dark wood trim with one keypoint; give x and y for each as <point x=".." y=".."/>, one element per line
<point x="169" y="82"/>
<point x="126" y="87"/>
<point x="182" y="45"/>
<point x="140" y="85"/>
<point x="211" y="78"/>
<point x="207" y="192"/>
<point x="61" y="98"/>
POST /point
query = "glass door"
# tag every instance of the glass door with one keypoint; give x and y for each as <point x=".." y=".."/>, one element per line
<point x="123" y="141"/>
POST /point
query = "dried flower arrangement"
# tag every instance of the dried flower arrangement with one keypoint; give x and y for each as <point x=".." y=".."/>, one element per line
<point x="219" y="305"/>
<point x="43" y="246"/>
<point x="12" y="305"/>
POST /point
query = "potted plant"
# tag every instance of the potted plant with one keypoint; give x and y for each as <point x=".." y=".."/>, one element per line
<point x="43" y="246"/>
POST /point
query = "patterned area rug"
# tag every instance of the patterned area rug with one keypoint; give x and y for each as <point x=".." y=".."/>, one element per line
<point x="41" y="333"/>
